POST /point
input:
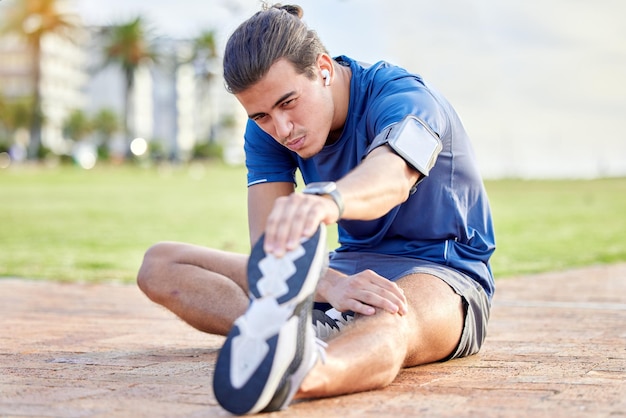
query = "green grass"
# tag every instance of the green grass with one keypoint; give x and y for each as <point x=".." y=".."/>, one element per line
<point x="73" y="225"/>
<point x="557" y="225"/>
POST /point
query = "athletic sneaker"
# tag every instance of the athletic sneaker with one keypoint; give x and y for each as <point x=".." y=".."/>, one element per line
<point x="329" y="323"/>
<point x="272" y="347"/>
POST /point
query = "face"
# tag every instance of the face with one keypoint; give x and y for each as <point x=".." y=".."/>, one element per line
<point x="295" y="110"/>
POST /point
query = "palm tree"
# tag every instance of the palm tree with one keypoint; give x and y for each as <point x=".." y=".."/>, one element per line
<point x="128" y="45"/>
<point x="199" y="52"/>
<point x="204" y="57"/>
<point x="204" y="54"/>
<point x="33" y="20"/>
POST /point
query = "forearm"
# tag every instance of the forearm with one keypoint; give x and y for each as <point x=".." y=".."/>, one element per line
<point x="261" y="198"/>
<point x="381" y="182"/>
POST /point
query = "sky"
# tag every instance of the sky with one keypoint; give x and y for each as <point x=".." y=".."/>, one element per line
<point x="186" y="18"/>
<point x="539" y="85"/>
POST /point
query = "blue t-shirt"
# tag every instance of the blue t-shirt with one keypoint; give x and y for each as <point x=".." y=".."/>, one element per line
<point x="447" y="220"/>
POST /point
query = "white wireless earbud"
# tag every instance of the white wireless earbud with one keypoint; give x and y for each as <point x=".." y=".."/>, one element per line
<point x="326" y="77"/>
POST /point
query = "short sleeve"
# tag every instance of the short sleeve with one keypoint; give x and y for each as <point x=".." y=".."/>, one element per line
<point x="407" y="95"/>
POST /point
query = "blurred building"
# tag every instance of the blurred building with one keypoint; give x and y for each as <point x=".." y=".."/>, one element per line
<point x="176" y="103"/>
<point x="63" y="78"/>
<point x="105" y="89"/>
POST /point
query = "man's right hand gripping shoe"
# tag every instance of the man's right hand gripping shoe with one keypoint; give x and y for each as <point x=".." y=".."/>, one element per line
<point x="272" y="347"/>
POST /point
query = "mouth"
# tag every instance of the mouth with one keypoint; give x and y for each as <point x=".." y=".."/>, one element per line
<point x="296" y="143"/>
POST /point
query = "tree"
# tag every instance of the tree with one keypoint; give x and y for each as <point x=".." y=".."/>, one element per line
<point x="77" y="125"/>
<point x="128" y="45"/>
<point x="33" y="20"/>
<point x="199" y="53"/>
<point x="204" y="54"/>
<point x="17" y="114"/>
<point x="204" y="58"/>
<point x="15" y="119"/>
<point x="14" y="114"/>
<point x="105" y="123"/>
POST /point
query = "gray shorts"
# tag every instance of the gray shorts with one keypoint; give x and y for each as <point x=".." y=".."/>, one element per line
<point x="475" y="300"/>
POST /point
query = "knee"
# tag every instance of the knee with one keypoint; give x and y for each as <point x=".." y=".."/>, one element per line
<point x="393" y="334"/>
<point x="153" y="269"/>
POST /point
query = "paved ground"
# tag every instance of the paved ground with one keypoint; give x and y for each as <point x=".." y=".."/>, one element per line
<point x="556" y="348"/>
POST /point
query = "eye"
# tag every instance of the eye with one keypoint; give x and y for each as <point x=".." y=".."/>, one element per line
<point x="259" y="118"/>
<point x="288" y="103"/>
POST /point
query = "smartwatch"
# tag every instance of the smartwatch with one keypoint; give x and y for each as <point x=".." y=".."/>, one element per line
<point x="323" y="188"/>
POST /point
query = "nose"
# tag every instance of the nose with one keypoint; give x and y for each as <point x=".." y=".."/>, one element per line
<point x="283" y="126"/>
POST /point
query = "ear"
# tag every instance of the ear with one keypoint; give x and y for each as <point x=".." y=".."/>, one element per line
<point x="325" y="62"/>
<point x="325" y="67"/>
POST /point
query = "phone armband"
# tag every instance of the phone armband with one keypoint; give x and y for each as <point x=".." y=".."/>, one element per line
<point x="412" y="140"/>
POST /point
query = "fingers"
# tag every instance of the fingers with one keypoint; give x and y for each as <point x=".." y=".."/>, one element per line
<point x="367" y="291"/>
<point x="293" y="218"/>
<point x="382" y="294"/>
<point x="284" y="228"/>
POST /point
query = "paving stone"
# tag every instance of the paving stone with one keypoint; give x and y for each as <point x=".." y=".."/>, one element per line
<point x="556" y="347"/>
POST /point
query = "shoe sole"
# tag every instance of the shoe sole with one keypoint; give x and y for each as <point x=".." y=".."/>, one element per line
<point x="266" y="344"/>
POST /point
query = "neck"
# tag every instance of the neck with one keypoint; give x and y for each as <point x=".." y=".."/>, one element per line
<point x="341" y="98"/>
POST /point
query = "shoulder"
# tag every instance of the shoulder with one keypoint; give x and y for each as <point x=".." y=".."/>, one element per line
<point x="378" y="74"/>
<point x="387" y="93"/>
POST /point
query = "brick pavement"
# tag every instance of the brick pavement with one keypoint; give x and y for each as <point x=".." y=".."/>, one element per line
<point x="556" y="348"/>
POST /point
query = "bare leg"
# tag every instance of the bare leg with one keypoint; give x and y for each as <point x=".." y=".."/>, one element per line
<point x="206" y="288"/>
<point x="369" y="353"/>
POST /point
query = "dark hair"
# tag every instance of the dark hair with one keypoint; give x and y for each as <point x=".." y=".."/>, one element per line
<point x="269" y="35"/>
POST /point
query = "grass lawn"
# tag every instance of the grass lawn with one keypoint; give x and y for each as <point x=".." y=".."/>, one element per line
<point x="557" y="225"/>
<point x="68" y="224"/>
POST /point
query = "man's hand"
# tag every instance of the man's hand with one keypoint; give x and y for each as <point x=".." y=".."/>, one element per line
<point x="295" y="217"/>
<point x="362" y="293"/>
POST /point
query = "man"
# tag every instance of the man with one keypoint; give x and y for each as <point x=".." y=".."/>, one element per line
<point x="384" y="156"/>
